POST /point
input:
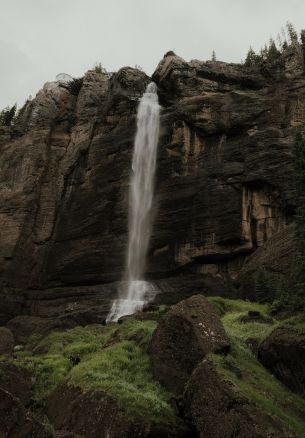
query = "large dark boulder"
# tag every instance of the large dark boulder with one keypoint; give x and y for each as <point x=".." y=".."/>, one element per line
<point x="7" y="341"/>
<point x="184" y="336"/>
<point x="217" y="410"/>
<point x="16" y="422"/>
<point x="16" y="381"/>
<point x="283" y="353"/>
<point x="95" y="414"/>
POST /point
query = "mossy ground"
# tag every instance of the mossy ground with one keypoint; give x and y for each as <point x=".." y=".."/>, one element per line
<point x="113" y="359"/>
<point x="109" y="358"/>
<point x="242" y="369"/>
<point x="232" y="313"/>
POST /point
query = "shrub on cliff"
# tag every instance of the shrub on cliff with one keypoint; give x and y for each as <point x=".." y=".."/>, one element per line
<point x="7" y="115"/>
<point x="98" y="68"/>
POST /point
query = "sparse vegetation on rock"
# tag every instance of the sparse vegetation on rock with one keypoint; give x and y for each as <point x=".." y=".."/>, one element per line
<point x="7" y="115"/>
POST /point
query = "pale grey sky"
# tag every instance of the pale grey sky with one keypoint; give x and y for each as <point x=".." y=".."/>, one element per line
<point x="41" y="38"/>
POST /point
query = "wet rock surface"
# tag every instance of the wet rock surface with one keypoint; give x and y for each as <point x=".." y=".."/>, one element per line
<point x="184" y="336"/>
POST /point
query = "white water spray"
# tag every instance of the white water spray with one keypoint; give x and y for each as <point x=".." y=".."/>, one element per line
<point x="135" y="292"/>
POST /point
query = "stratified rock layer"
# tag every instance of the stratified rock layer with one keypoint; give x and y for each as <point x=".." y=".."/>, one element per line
<point x="224" y="182"/>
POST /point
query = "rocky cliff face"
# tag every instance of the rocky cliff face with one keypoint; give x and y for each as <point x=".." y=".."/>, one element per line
<point x="224" y="182"/>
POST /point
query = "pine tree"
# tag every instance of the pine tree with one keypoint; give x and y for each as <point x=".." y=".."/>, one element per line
<point x="264" y="53"/>
<point x="293" y="36"/>
<point x="263" y="289"/>
<point x="283" y="39"/>
<point x="7" y="115"/>
<point x="273" y="53"/>
<point x="251" y="58"/>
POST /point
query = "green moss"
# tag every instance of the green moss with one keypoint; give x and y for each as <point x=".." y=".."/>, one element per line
<point x="242" y="369"/>
<point x="92" y="338"/>
<point x="233" y="316"/>
<point x="228" y="305"/>
<point x="47" y="371"/>
<point x="111" y="358"/>
<point x="295" y="323"/>
<point x="253" y="381"/>
<point x="123" y="370"/>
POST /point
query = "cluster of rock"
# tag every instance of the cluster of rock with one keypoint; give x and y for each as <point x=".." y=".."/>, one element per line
<point x="181" y="352"/>
<point x="209" y="404"/>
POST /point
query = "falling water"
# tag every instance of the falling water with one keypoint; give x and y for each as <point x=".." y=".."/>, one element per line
<point x="135" y="292"/>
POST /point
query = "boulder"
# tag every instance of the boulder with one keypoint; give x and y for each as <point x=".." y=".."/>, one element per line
<point x="216" y="410"/>
<point x="16" y="381"/>
<point x="184" y="336"/>
<point x="95" y="414"/>
<point x="283" y="353"/>
<point x="7" y="341"/>
<point x="16" y="422"/>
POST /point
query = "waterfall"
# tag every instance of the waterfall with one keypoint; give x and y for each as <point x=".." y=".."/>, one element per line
<point x="135" y="292"/>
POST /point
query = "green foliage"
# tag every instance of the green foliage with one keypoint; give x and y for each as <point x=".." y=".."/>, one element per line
<point x="111" y="358"/>
<point x="243" y="371"/>
<point x="227" y="305"/>
<point x="123" y="370"/>
<point x="273" y="54"/>
<point x="98" y="68"/>
<point x="293" y="36"/>
<point x="264" y="287"/>
<point x="270" y="54"/>
<point x="252" y="58"/>
<point x="295" y="323"/>
<point x="48" y="371"/>
<point x="7" y="115"/>
<point x="273" y="289"/>
<point x="234" y="317"/>
<point x="74" y="86"/>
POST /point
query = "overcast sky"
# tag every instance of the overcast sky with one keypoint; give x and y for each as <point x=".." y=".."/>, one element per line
<point x="41" y="38"/>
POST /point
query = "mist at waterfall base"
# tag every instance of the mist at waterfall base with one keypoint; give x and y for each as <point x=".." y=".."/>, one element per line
<point x="134" y="292"/>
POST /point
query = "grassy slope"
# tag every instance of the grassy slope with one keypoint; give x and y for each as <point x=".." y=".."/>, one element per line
<point x="243" y="370"/>
<point x="112" y="359"/>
